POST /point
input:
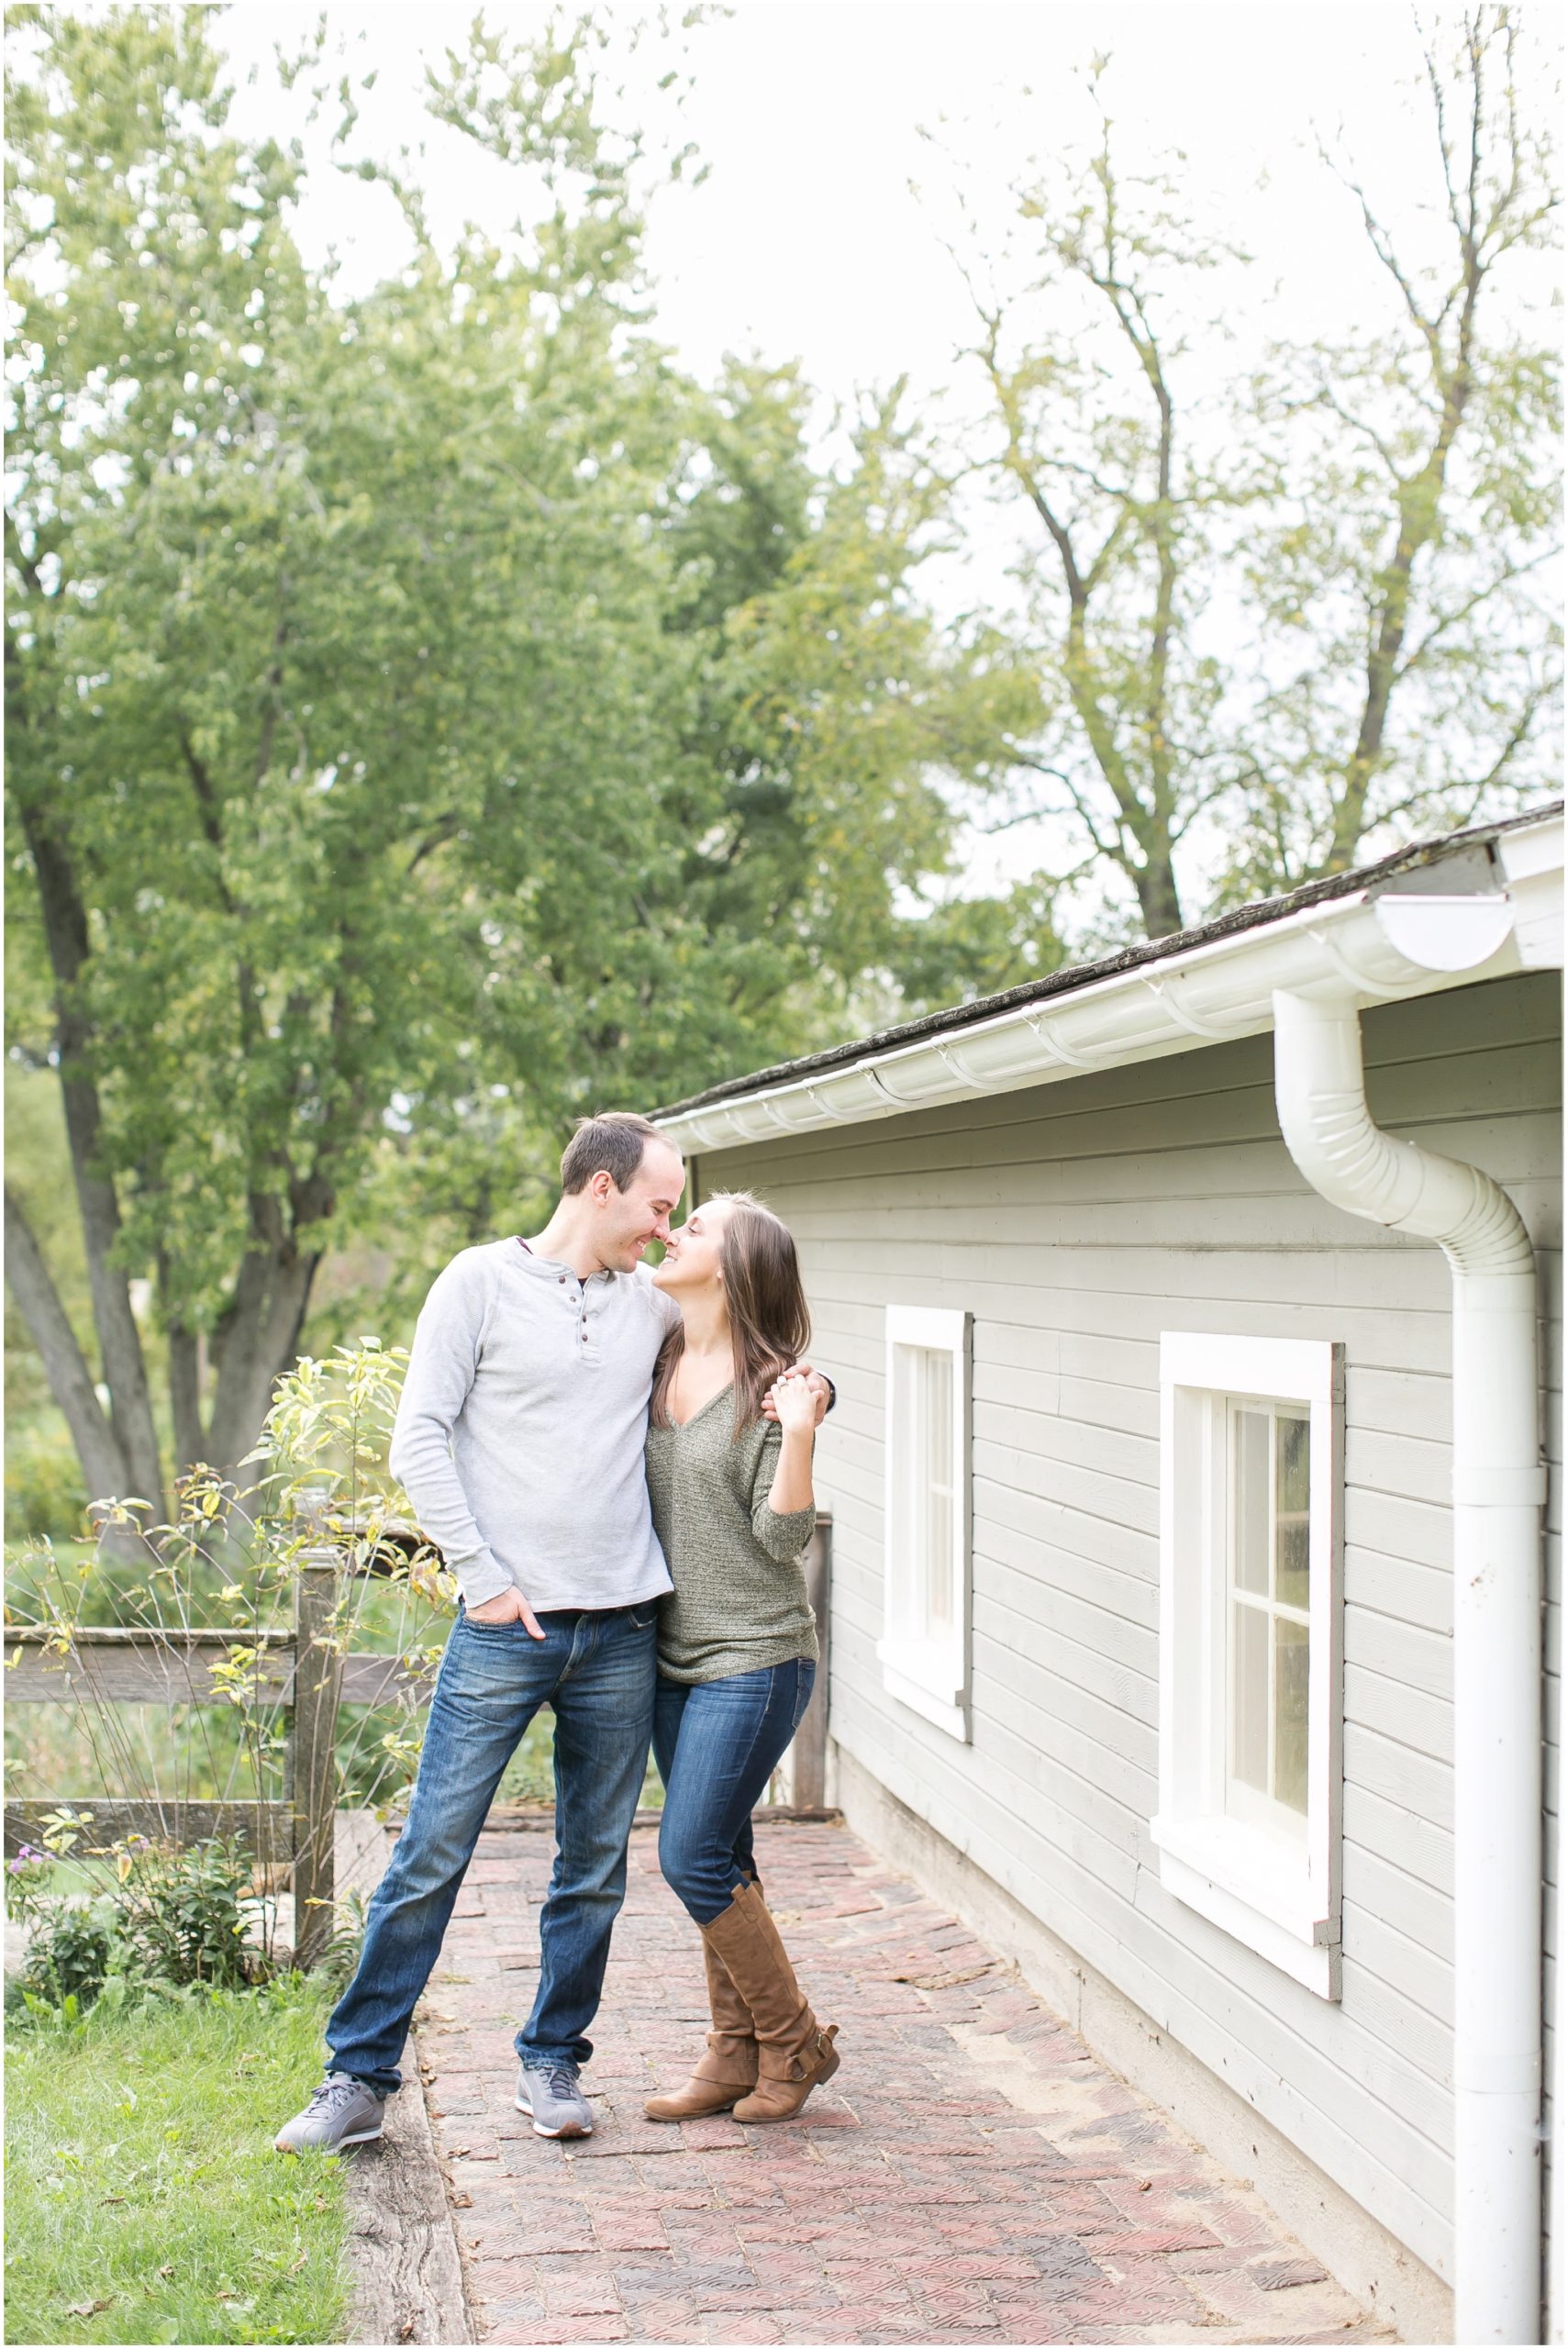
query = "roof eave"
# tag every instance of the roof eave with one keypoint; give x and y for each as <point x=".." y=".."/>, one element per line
<point x="1377" y="944"/>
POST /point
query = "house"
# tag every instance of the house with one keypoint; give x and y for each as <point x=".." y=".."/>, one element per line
<point x="1198" y="1317"/>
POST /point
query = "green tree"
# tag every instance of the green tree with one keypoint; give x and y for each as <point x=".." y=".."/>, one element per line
<point x="402" y="755"/>
<point x="827" y="722"/>
<point x="338" y="692"/>
<point x="837" y="724"/>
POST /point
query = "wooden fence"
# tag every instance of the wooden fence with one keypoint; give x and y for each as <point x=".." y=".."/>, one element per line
<point x="304" y="1672"/>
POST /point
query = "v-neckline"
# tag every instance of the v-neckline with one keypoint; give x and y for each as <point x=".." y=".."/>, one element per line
<point x="728" y="1388"/>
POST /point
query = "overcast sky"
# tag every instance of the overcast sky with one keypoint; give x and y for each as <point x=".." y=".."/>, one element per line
<point x="805" y="241"/>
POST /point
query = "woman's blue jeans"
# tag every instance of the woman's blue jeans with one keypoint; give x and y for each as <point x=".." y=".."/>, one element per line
<point x="596" y="1668"/>
<point x="716" y="1744"/>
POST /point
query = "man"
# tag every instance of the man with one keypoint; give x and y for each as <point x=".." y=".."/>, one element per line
<point x="519" y="1441"/>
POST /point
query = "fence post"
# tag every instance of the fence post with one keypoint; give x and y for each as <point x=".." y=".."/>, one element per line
<point x="808" y="1754"/>
<point x="318" y="1678"/>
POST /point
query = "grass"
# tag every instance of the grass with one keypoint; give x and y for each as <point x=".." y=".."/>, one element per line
<point x="142" y="2183"/>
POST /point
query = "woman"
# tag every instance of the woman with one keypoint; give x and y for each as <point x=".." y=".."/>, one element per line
<point x="733" y="1507"/>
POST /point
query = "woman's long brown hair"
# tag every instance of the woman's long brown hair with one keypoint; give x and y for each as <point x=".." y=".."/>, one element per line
<point x="770" y="1326"/>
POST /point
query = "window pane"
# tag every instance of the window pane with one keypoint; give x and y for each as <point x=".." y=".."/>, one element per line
<point x="1250" y="1697"/>
<point x="1291" y="1455"/>
<point x="936" y="1577"/>
<point x="1253" y="1479"/>
<point x="1290" y="1713"/>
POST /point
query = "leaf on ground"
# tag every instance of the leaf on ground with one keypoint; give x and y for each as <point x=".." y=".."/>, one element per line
<point x="87" y="2307"/>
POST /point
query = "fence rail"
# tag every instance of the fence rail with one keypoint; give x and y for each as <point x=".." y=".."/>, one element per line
<point x="303" y="1671"/>
<point x="266" y="1827"/>
<point x="119" y="1667"/>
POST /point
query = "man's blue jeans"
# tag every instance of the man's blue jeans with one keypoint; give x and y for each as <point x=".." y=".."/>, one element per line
<point x="716" y="1744"/>
<point x="597" y="1670"/>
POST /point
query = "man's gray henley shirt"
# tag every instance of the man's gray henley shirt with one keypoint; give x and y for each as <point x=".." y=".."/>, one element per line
<point x="519" y="1437"/>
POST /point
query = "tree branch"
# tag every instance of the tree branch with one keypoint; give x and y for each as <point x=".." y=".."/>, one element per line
<point x="1448" y="621"/>
<point x="207" y="811"/>
<point x="1378" y="237"/>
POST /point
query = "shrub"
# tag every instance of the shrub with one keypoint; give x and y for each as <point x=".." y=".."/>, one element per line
<point x="71" y="1955"/>
<point x="182" y="1915"/>
<point x="45" y="1497"/>
<point x="172" y="1918"/>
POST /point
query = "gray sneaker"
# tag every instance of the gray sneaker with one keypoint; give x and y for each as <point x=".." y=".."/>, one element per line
<point x="342" y="2112"/>
<point x="551" y="2094"/>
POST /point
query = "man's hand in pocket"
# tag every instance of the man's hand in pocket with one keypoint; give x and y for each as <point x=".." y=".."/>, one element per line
<point x="507" y="1607"/>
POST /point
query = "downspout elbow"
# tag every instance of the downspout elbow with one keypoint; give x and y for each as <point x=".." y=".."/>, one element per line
<point x="1320" y="1090"/>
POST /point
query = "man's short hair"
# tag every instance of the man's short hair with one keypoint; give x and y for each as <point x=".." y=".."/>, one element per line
<point x="615" y="1143"/>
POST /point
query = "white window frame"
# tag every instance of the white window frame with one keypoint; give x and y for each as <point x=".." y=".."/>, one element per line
<point x="1279" y="1897"/>
<point x="931" y="1676"/>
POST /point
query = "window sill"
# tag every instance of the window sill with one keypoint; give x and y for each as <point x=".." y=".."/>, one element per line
<point x="902" y="1677"/>
<point x="1242" y="1881"/>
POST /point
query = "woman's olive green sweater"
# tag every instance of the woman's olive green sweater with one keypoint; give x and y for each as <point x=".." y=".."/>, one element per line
<point x="740" y="1598"/>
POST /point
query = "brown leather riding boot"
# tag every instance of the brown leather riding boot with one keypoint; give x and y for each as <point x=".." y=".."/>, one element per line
<point x="730" y="2067"/>
<point x="793" y="2052"/>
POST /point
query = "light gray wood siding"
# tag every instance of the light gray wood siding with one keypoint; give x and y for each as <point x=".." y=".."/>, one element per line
<point x="1076" y="1221"/>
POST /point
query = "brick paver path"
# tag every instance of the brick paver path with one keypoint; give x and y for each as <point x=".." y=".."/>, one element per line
<point x="972" y="2170"/>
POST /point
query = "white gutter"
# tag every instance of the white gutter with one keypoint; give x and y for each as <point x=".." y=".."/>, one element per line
<point x="1499" y="1486"/>
<point x="1210" y="994"/>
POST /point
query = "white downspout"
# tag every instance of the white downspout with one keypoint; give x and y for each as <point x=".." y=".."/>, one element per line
<point x="1498" y="1490"/>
